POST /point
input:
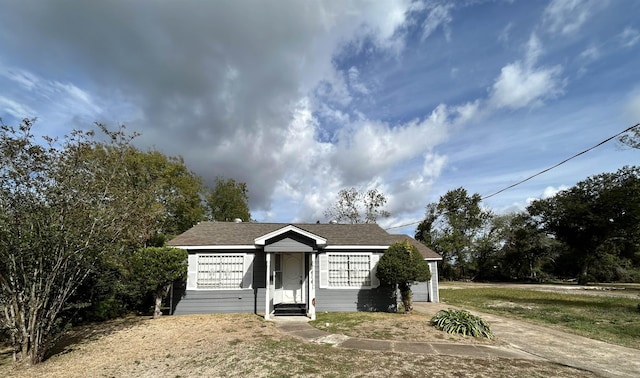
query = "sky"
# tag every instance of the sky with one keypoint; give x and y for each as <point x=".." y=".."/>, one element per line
<point x="300" y="99"/>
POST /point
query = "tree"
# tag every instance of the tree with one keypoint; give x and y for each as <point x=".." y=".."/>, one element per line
<point x="401" y="266"/>
<point x="171" y="186"/>
<point x="154" y="269"/>
<point x="632" y="137"/>
<point x="228" y="200"/>
<point x="451" y="227"/>
<point x="61" y="209"/>
<point x="599" y="221"/>
<point x="355" y="207"/>
<point x="173" y="196"/>
<point x="525" y="248"/>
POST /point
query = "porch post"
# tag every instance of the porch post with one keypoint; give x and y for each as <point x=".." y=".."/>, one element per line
<point x="267" y="293"/>
<point x="312" y="287"/>
<point x="430" y="286"/>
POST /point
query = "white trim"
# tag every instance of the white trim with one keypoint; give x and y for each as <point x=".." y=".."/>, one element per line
<point x="358" y="247"/>
<point x="320" y="241"/>
<point x="192" y="280"/>
<point x="267" y="294"/>
<point x="312" y="287"/>
<point x="204" y="247"/>
<point x="324" y="273"/>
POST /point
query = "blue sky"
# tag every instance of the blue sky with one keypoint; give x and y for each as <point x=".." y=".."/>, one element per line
<point x="303" y="98"/>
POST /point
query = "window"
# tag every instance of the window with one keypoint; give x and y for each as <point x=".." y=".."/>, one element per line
<point x="220" y="271"/>
<point x="349" y="270"/>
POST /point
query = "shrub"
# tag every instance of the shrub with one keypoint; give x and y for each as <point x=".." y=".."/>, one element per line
<point x="400" y="266"/>
<point x="461" y="321"/>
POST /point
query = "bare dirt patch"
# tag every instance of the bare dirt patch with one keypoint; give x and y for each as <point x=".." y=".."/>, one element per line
<point x="400" y="327"/>
<point x="245" y="345"/>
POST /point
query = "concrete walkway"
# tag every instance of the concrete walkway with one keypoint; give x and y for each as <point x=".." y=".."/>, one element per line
<point x="524" y="341"/>
<point x="560" y="347"/>
<point x="299" y="327"/>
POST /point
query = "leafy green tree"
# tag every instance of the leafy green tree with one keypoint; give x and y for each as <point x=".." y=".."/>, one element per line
<point x="451" y="227"/>
<point x="154" y="269"/>
<point x="526" y="247"/>
<point x="598" y="220"/>
<point x="228" y="200"/>
<point x="61" y="209"/>
<point x="401" y="266"/>
<point x="172" y="188"/>
<point x="356" y="207"/>
<point x="172" y="196"/>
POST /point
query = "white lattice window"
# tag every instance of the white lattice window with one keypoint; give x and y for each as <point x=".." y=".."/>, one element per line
<point x="349" y="270"/>
<point x="220" y="271"/>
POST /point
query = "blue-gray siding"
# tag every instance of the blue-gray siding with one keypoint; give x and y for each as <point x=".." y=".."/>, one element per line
<point x="289" y="244"/>
<point x="330" y="300"/>
<point x="421" y="289"/>
<point x="220" y="301"/>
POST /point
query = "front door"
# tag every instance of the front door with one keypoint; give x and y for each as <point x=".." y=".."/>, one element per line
<point x="292" y="278"/>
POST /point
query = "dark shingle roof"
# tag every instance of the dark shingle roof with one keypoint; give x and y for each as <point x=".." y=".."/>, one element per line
<point x="236" y="234"/>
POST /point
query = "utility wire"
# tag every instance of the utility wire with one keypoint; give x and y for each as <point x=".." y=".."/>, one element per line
<point x="539" y="173"/>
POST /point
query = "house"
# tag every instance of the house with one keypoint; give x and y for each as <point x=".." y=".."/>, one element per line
<point x="276" y="268"/>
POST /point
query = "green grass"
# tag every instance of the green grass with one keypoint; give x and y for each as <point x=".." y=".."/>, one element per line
<point x="612" y="319"/>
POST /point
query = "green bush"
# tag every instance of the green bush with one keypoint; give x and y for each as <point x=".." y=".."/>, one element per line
<point x="461" y="321"/>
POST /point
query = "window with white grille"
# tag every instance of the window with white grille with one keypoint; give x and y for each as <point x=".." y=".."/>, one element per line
<point x="349" y="270"/>
<point x="220" y="271"/>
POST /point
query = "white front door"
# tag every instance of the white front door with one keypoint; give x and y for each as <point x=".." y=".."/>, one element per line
<point x="292" y="277"/>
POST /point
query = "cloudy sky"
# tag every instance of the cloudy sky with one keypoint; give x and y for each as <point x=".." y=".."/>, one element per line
<point x="303" y="98"/>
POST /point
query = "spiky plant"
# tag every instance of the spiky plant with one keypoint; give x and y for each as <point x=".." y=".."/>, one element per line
<point x="462" y="322"/>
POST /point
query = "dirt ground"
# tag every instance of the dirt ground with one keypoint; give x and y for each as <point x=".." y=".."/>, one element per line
<point x="246" y="345"/>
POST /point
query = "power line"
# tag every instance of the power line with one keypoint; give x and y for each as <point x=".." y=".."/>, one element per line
<point x="539" y="173"/>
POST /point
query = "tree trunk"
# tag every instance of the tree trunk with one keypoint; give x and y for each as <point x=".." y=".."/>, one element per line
<point x="158" y="311"/>
<point x="160" y="293"/>
<point x="406" y="296"/>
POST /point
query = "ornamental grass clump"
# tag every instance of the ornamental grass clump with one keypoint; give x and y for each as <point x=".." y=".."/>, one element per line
<point x="461" y="321"/>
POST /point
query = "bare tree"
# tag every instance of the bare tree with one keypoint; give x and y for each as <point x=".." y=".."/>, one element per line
<point x="355" y="207"/>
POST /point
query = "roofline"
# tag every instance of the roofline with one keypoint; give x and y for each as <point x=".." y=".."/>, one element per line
<point x="330" y="247"/>
<point x="200" y="247"/>
<point x="262" y="240"/>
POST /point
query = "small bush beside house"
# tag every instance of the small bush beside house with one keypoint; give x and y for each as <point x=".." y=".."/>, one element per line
<point x="401" y="266"/>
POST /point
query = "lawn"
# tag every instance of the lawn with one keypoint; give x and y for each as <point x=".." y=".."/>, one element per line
<point x="612" y="319"/>
<point x="389" y="326"/>
<point x="247" y="346"/>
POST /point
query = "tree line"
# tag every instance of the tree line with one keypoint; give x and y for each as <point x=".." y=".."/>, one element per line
<point x="589" y="232"/>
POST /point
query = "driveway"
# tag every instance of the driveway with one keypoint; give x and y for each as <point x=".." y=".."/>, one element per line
<point x="563" y="348"/>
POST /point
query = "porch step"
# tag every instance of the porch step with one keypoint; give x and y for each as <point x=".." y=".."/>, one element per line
<point x="290" y="309"/>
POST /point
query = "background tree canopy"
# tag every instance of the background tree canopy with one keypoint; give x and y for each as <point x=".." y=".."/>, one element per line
<point x="353" y="206"/>
<point x="590" y="232"/>
<point x="228" y="200"/>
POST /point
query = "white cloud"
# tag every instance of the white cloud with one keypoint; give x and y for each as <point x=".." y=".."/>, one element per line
<point x="568" y="16"/>
<point x="505" y="33"/>
<point x="629" y="36"/>
<point x="521" y="86"/>
<point x="15" y="109"/>
<point x="439" y="17"/>
<point x="355" y="83"/>
<point x="590" y="54"/>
